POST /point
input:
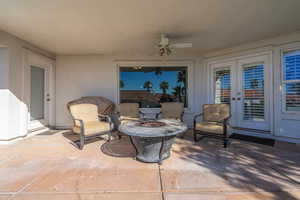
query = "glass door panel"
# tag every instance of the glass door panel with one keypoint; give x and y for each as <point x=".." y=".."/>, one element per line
<point x="253" y="93"/>
<point x="222" y="78"/>
<point x="222" y="86"/>
<point x="37" y="100"/>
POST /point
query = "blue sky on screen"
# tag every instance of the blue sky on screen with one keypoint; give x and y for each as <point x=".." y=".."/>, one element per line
<point x="250" y="74"/>
<point x="136" y="80"/>
<point x="292" y="65"/>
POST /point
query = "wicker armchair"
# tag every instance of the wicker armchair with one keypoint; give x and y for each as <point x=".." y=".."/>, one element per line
<point x="91" y="118"/>
<point x="215" y="122"/>
<point x="171" y="110"/>
<point x="128" y="112"/>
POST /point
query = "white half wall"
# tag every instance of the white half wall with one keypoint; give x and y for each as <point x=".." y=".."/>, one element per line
<point x="13" y="115"/>
<point x="4" y="92"/>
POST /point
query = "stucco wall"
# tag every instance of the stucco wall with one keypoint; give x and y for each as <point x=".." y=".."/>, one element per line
<point x="97" y="75"/>
<point x="285" y="126"/>
<point x="78" y="76"/>
<point x="12" y="87"/>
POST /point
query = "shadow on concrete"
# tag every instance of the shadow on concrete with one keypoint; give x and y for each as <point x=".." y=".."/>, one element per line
<point x="74" y="138"/>
<point x="247" y="166"/>
<point x="119" y="148"/>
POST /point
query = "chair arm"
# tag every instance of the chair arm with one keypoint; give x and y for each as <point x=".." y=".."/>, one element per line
<point x="81" y="125"/>
<point x="107" y="117"/>
<point x="195" y="118"/>
<point x="80" y="121"/>
<point x="181" y="116"/>
<point x="141" y="113"/>
<point x="109" y="120"/>
<point x="157" y="115"/>
<point x="225" y="123"/>
<point x="226" y="120"/>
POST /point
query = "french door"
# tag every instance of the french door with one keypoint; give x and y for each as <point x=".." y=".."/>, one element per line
<point x="245" y="85"/>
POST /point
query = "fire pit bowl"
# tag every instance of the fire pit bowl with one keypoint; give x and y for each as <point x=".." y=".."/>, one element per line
<point x="151" y="124"/>
<point x="153" y="139"/>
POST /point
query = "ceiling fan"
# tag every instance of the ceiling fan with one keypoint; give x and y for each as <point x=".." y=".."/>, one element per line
<point x="165" y="47"/>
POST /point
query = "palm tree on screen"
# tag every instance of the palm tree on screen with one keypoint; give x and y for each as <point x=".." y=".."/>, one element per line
<point x="122" y="85"/>
<point x="148" y="85"/>
<point x="177" y="92"/>
<point x="181" y="77"/>
<point x="164" y="86"/>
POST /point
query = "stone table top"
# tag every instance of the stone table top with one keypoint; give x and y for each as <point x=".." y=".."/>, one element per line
<point x="172" y="127"/>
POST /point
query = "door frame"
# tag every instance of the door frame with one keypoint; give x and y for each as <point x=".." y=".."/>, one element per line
<point x="190" y="81"/>
<point x="211" y="65"/>
<point x="34" y="59"/>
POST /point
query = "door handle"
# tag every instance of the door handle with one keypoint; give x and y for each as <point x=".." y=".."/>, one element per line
<point x="47" y="99"/>
<point x="238" y="98"/>
<point x="233" y="99"/>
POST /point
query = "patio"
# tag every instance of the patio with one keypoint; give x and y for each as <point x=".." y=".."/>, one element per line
<point x="47" y="166"/>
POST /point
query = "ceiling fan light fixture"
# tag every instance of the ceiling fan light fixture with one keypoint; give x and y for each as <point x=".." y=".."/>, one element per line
<point x="165" y="47"/>
<point x="165" y="51"/>
<point x="137" y="67"/>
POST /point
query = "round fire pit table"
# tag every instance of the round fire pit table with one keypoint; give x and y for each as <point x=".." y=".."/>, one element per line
<point x="152" y="139"/>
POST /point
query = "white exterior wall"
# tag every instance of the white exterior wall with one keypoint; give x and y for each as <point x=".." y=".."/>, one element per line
<point x="97" y="75"/>
<point x="4" y="92"/>
<point x="13" y="115"/>
<point x="94" y="75"/>
<point x="78" y="76"/>
<point x="285" y="127"/>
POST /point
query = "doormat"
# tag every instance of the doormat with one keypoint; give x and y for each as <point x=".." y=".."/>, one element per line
<point x="264" y="141"/>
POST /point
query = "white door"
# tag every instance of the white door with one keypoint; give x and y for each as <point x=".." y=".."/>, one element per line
<point x="245" y="85"/>
<point x="39" y="97"/>
<point x="253" y="93"/>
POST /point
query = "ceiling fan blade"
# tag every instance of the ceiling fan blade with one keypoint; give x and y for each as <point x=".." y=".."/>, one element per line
<point x="181" y="45"/>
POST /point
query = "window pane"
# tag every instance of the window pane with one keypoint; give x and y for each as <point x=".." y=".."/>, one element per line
<point x="37" y="93"/>
<point x="150" y="86"/>
<point x="222" y="86"/>
<point x="291" y="61"/>
<point x="254" y="102"/>
<point x="292" y="97"/>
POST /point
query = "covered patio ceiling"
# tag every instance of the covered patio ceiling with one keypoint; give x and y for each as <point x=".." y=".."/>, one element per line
<point x="106" y="27"/>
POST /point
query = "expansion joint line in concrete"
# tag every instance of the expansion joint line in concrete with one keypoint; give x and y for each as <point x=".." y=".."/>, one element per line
<point x="161" y="183"/>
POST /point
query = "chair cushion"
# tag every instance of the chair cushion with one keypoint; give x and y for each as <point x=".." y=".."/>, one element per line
<point x="215" y="112"/>
<point x="126" y="119"/>
<point x="210" y="127"/>
<point x="93" y="127"/>
<point x="105" y="106"/>
<point x="129" y="110"/>
<point x="172" y="110"/>
<point x="85" y="112"/>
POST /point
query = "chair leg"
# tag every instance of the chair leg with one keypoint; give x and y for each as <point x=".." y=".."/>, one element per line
<point x="195" y="136"/>
<point x="109" y="136"/>
<point x="81" y="141"/>
<point x="182" y="135"/>
<point x="226" y="141"/>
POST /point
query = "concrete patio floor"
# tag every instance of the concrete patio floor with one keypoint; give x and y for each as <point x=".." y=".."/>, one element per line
<point x="47" y="166"/>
